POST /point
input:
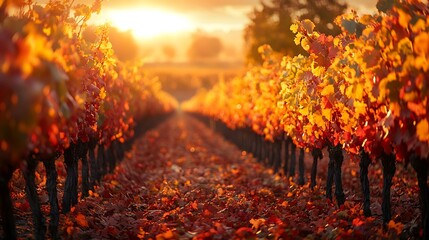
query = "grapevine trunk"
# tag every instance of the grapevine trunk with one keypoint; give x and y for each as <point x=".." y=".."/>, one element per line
<point x="301" y="167"/>
<point x="292" y="160"/>
<point x="286" y="142"/>
<point x="364" y="163"/>
<point x="51" y="186"/>
<point x="389" y="168"/>
<point x="6" y="206"/>
<point x="421" y="167"/>
<point x="31" y="191"/>
<point x="316" y="153"/>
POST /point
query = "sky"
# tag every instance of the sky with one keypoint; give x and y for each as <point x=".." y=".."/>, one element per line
<point x="149" y="18"/>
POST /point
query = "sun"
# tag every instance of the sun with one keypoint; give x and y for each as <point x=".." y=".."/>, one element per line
<point x="147" y="23"/>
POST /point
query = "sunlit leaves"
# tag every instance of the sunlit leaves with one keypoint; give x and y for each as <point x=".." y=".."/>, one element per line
<point x="52" y="83"/>
<point x="377" y="66"/>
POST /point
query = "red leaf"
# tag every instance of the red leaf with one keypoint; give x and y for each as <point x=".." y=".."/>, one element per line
<point x="245" y="232"/>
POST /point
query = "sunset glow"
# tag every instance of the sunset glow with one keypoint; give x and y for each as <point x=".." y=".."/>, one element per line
<point x="147" y="23"/>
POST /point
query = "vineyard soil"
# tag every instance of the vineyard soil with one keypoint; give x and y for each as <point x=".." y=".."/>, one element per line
<point x="182" y="180"/>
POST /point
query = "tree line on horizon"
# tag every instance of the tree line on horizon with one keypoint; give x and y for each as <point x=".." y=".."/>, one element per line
<point x="269" y="23"/>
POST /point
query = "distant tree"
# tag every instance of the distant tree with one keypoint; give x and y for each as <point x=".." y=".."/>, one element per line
<point x="323" y="14"/>
<point x="270" y="24"/>
<point x="204" y="47"/>
<point x="123" y="43"/>
<point x="169" y="52"/>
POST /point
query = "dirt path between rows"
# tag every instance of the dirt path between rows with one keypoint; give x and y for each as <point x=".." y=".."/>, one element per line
<point x="182" y="181"/>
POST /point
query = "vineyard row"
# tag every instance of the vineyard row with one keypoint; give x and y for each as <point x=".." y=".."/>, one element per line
<point x="364" y="91"/>
<point x="63" y="96"/>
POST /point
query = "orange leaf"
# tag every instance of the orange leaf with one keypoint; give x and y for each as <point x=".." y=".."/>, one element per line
<point x="220" y="191"/>
<point x="103" y="93"/>
<point x="284" y="204"/>
<point x="70" y="230"/>
<point x="423" y="130"/>
<point x="194" y="205"/>
<point x="141" y="233"/>
<point x="421" y="45"/>
<point x="357" y="222"/>
<point x="398" y="227"/>
<point x="256" y="223"/>
<point x="167" y="235"/>
<point x="404" y="18"/>
<point x="81" y="220"/>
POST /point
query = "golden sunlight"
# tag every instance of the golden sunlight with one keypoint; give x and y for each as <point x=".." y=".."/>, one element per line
<point x="147" y="23"/>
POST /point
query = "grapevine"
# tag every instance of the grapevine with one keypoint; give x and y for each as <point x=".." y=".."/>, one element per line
<point x="63" y="96"/>
<point x="364" y="91"/>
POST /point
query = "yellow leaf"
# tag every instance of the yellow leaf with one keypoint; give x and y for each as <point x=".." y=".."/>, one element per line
<point x="327" y="113"/>
<point x="336" y="41"/>
<point x="102" y="93"/>
<point x="345" y="117"/>
<point x="304" y="111"/>
<point x="358" y="91"/>
<point x="308" y="130"/>
<point x="317" y="71"/>
<point x="304" y="44"/>
<point x="327" y="90"/>
<point x="298" y="38"/>
<point x="294" y="28"/>
<point x="421" y="62"/>
<point x="423" y="130"/>
<point x="318" y="120"/>
<point x="420" y="25"/>
<point x="342" y="89"/>
<point x="360" y="107"/>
